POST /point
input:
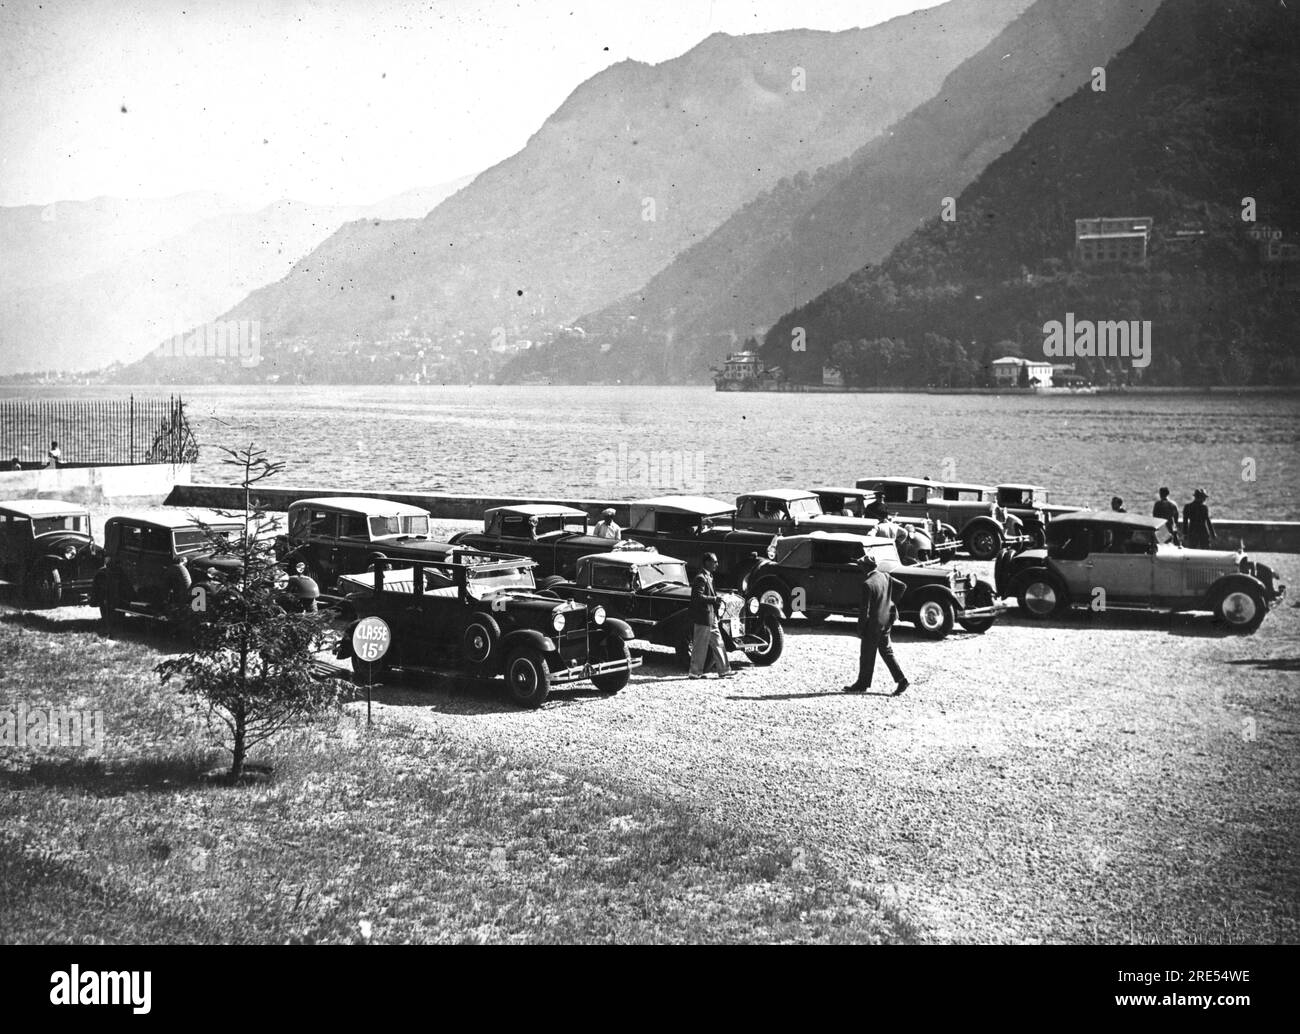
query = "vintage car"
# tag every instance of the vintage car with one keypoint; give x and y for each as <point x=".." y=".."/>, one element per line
<point x="140" y="573"/>
<point x="556" y="537"/>
<point x="817" y="575"/>
<point x="853" y="502"/>
<point x="688" y="526"/>
<point x="483" y="614"/>
<point x="784" y="511"/>
<point x="47" y="555"/>
<point x="339" y="535"/>
<point x="1118" y="561"/>
<point x="966" y="508"/>
<point x="1031" y="504"/>
<point x="652" y="593"/>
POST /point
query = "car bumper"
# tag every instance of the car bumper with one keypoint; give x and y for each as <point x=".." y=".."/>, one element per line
<point x="579" y="672"/>
<point x="991" y="611"/>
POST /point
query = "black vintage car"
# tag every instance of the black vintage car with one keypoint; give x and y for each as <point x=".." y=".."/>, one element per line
<point x="817" y="575"/>
<point x="47" y="554"/>
<point x="483" y="614"/>
<point x="141" y="574"/>
<point x="688" y="526"/>
<point x="556" y="537"/>
<point x="337" y="535"/>
<point x="652" y="593"/>
<point x="853" y="502"/>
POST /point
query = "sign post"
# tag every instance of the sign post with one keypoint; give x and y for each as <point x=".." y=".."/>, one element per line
<point x="370" y="641"/>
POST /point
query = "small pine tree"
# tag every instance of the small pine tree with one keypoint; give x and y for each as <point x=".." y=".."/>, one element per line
<point x="252" y="662"/>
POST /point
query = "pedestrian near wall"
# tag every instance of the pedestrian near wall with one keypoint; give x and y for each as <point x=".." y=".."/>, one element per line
<point x="706" y="639"/>
<point x="876" y="615"/>
<point x="55" y="455"/>
<point x="1197" y="526"/>
<point x="1166" y="510"/>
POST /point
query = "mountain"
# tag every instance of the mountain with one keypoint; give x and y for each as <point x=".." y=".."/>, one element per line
<point x="1196" y="129"/>
<point x="86" y="283"/>
<point x="639" y="162"/>
<point x="812" y="230"/>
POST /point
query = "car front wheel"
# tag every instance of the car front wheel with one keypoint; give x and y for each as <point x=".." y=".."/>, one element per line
<point x="983" y="543"/>
<point x="46" y="586"/>
<point x="615" y="649"/>
<point x="935" y="617"/>
<point x="1242" y="610"/>
<point x="528" y="680"/>
<point x="773" y="636"/>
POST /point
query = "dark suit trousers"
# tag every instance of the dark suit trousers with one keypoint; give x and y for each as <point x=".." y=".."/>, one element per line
<point x="876" y="640"/>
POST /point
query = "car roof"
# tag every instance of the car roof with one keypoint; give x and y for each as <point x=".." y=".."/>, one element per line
<point x="177" y="518"/>
<point x="539" y="510"/>
<point x="41" y="507"/>
<point x="785" y="494"/>
<point x="884" y="480"/>
<point x="1132" y="520"/>
<point x="966" y="486"/>
<point x="633" y="557"/>
<point x="701" y="504"/>
<point x="368" y="505"/>
<point x="838" y="490"/>
<point x="1023" y="487"/>
<point x="841" y="536"/>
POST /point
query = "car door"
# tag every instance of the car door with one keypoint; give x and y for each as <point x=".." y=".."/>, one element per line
<point x="1122" y="564"/>
<point x="127" y="561"/>
<point x="1071" y="559"/>
<point x="610" y="586"/>
<point x="833" y="583"/>
<point x="155" y="556"/>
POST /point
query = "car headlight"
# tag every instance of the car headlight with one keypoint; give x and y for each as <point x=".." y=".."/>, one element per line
<point x="971" y="581"/>
<point x="557" y="621"/>
<point x="597" y="615"/>
<point x="753" y="604"/>
<point x="70" y="553"/>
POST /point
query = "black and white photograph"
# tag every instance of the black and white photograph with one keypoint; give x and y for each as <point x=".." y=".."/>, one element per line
<point x="655" y="472"/>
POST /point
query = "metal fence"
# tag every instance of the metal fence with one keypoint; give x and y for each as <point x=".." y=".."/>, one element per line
<point x="92" y="432"/>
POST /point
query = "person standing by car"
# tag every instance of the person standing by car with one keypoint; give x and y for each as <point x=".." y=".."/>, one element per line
<point x="1197" y="526"/>
<point x="1167" y="511"/>
<point x="876" y="509"/>
<point x="55" y="454"/>
<point x="1117" y="504"/>
<point x="876" y="614"/>
<point x="606" y="528"/>
<point x="706" y="640"/>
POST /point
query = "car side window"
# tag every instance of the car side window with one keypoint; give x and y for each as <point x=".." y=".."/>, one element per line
<point x="353" y="526"/>
<point x="836" y="553"/>
<point x="1074" y="546"/>
<point x="156" y="540"/>
<point x="607" y="576"/>
<point x="323" y="524"/>
<point x="132" y="536"/>
<point x="515" y="527"/>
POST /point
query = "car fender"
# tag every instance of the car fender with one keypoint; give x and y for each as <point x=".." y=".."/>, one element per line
<point x="913" y="598"/>
<point x="525" y="637"/>
<point x="623" y="629"/>
<point x="1228" y="582"/>
<point x="745" y="571"/>
<point x="982" y="521"/>
<point x="344" y="649"/>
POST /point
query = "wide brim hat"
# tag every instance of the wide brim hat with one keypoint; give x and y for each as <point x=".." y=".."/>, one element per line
<point x="1200" y="493"/>
<point x="609" y="512"/>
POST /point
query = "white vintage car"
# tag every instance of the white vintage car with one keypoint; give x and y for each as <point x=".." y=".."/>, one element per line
<point x="1126" y="561"/>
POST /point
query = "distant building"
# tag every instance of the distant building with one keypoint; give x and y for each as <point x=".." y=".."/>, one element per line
<point x="1110" y="239"/>
<point x="1006" y="372"/>
<point x="741" y="367"/>
<point x="832" y="377"/>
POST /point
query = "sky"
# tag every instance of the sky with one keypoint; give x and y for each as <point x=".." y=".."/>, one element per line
<point x="325" y="101"/>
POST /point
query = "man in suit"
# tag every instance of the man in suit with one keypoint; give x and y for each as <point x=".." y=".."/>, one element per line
<point x="706" y="640"/>
<point x="876" y="613"/>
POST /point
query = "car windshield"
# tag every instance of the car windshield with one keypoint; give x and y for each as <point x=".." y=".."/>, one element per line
<point x="663" y="571"/>
<point x="801" y="508"/>
<point x="381" y="527"/>
<point x="484" y="583"/>
<point x="190" y="541"/>
<point x="885" y="551"/>
<point x="68" y="522"/>
<point x="560" y="525"/>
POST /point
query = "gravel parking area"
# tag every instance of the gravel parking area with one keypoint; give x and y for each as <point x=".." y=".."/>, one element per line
<point x="1113" y="778"/>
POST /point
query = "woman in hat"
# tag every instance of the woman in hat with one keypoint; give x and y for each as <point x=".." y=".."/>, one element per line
<point x="606" y="528"/>
<point x="1197" y="526"/>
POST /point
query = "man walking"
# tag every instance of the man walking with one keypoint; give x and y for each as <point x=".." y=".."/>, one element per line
<point x="706" y="640"/>
<point x="1167" y="511"/>
<point x="876" y="614"/>
<point x="1197" y="523"/>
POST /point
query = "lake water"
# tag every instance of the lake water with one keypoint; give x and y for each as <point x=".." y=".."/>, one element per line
<point x="624" y="442"/>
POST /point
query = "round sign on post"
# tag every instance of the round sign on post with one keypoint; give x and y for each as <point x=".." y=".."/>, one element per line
<point x="370" y="641"/>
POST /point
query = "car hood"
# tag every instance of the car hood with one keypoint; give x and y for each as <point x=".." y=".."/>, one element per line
<point x="58" y="541"/>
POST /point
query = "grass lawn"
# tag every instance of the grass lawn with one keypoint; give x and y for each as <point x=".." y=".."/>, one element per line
<point x="390" y="835"/>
